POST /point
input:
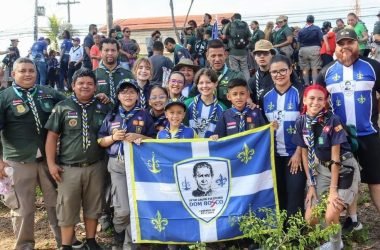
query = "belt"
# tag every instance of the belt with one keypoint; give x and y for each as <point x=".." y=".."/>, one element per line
<point x="343" y="157"/>
<point x="80" y="165"/>
<point x="37" y="160"/>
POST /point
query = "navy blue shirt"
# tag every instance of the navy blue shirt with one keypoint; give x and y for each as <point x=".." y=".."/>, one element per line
<point x="228" y="124"/>
<point x="140" y="123"/>
<point x="310" y="36"/>
<point x="332" y="133"/>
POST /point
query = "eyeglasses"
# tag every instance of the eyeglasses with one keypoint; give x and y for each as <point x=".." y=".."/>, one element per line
<point x="280" y="72"/>
<point x="176" y="81"/>
<point x="262" y="53"/>
<point x="160" y="97"/>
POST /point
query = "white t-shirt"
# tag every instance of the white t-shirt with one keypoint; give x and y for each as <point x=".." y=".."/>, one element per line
<point x="76" y="54"/>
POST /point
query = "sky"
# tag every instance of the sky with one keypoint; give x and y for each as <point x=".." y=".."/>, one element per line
<point x="16" y="19"/>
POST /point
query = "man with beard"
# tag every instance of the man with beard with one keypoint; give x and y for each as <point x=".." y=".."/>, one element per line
<point x="352" y="81"/>
<point x="110" y="72"/>
<point x="87" y="44"/>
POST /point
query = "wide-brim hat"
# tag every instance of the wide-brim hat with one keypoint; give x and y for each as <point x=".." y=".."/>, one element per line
<point x="15" y="40"/>
<point x="125" y="83"/>
<point x="346" y="33"/>
<point x="264" y="45"/>
<point x="172" y="103"/>
<point x="185" y="62"/>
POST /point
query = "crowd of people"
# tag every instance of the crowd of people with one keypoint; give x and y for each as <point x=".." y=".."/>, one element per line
<point x="309" y="83"/>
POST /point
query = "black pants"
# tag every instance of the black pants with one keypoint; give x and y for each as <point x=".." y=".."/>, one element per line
<point x="70" y="73"/>
<point x="290" y="187"/>
<point x="326" y="59"/>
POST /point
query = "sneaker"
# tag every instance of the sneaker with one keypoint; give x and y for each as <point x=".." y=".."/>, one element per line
<point x="328" y="246"/>
<point x="118" y="238"/>
<point x="350" y="226"/>
<point x="77" y="244"/>
<point x="93" y="245"/>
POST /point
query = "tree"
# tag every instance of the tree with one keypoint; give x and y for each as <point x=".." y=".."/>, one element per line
<point x="53" y="31"/>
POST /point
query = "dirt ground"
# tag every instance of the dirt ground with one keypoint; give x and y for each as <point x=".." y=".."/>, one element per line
<point x="368" y="238"/>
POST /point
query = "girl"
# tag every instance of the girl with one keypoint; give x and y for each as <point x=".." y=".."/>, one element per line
<point x="204" y="110"/>
<point x="321" y="136"/>
<point x="176" y="84"/>
<point x="157" y="99"/>
<point x="281" y="105"/>
<point x="127" y="122"/>
<point x="143" y="72"/>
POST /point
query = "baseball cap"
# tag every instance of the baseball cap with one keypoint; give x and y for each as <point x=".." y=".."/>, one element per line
<point x="346" y="33"/>
<point x="174" y="102"/>
<point x="125" y="83"/>
<point x="264" y="45"/>
<point x="76" y="39"/>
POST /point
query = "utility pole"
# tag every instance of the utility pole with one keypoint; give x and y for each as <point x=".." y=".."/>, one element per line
<point x="35" y="36"/>
<point x="68" y="3"/>
<point x="109" y="15"/>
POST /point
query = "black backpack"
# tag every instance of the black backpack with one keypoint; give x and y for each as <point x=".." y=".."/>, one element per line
<point x="239" y="34"/>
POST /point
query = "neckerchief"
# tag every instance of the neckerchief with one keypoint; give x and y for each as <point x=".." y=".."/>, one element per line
<point x="142" y="98"/>
<point x="223" y="73"/>
<point x="199" y="125"/>
<point x="257" y="75"/>
<point x="242" y="116"/>
<point x="29" y="95"/>
<point x="86" y="142"/>
<point x="177" y="135"/>
<point x="126" y="116"/>
<point x="310" y="122"/>
<point x="179" y="99"/>
<point x="111" y="80"/>
<point x="159" y="121"/>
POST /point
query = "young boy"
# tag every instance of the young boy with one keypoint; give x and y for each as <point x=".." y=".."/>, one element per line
<point x="239" y="118"/>
<point x="80" y="169"/>
<point x="175" y="113"/>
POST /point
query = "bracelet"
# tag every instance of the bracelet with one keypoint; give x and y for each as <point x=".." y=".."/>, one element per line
<point x="336" y="163"/>
<point x="333" y="186"/>
<point x="112" y="138"/>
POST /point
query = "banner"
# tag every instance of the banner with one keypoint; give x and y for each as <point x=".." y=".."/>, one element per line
<point x="195" y="190"/>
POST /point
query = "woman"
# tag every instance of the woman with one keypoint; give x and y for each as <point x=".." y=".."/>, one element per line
<point x="321" y="135"/>
<point x="268" y="31"/>
<point x="281" y="105"/>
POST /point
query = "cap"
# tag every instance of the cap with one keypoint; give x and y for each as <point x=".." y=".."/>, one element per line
<point x="14" y="40"/>
<point x="41" y="38"/>
<point x="185" y="62"/>
<point x="125" y="83"/>
<point x="279" y="19"/>
<point x="378" y="14"/>
<point x="174" y="102"/>
<point x="346" y="33"/>
<point x="76" y="39"/>
<point x="264" y="45"/>
<point x="310" y="19"/>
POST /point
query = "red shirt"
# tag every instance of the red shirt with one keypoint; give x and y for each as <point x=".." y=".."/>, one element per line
<point x="95" y="52"/>
<point x="331" y="38"/>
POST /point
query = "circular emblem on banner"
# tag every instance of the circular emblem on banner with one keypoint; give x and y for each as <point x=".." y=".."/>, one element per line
<point x="73" y="122"/>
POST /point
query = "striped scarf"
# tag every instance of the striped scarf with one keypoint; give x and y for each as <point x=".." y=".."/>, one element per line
<point x="126" y="116"/>
<point x="310" y="122"/>
<point x="29" y="95"/>
<point x="177" y="135"/>
<point x="242" y="116"/>
<point x="86" y="141"/>
<point x="159" y="120"/>
<point x="199" y="125"/>
<point x="179" y="99"/>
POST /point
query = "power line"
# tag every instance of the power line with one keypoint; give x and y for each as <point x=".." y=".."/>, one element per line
<point x="68" y="3"/>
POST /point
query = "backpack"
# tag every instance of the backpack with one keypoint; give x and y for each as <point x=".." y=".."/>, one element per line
<point x="239" y="34"/>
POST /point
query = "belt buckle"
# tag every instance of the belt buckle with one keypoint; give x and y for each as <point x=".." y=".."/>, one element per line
<point x="84" y="165"/>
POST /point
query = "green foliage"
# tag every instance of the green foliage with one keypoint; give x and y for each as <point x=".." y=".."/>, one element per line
<point x="38" y="192"/>
<point x="198" y="246"/>
<point x="277" y="231"/>
<point x="52" y="31"/>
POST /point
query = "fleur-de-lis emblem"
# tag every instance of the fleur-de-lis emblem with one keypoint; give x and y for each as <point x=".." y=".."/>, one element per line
<point x="221" y="181"/>
<point x="233" y="220"/>
<point x="291" y="130"/>
<point x="290" y="106"/>
<point x="361" y="99"/>
<point x="338" y="102"/>
<point x="246" y="155"/>
<point x="336" y="77"/>
<point x="270" y="106"/>
<point x="154" y="164"/>
<point x="185" y="185"/>
<point x="159" y="222"/>
<point x="359" y="76"/>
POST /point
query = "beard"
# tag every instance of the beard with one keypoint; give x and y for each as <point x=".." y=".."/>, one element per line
<point x="347" y="57"/>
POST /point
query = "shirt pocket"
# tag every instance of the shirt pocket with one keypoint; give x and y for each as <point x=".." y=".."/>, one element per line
<point x="46" y="104"/>
<point x="20" y="109"/>
<point x="73" y="123"/>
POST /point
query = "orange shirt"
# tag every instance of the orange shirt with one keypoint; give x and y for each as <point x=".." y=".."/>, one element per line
<point x="331" y="39"/>
<point x="94" y="51"/>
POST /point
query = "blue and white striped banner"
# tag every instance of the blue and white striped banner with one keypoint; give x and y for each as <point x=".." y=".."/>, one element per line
<point x="195" y="190"/>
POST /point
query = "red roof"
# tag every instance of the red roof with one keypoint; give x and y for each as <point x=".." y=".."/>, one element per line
<point x="154" y="23"/>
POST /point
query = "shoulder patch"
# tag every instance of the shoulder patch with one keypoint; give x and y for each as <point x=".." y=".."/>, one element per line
<point x="338" y="128"/>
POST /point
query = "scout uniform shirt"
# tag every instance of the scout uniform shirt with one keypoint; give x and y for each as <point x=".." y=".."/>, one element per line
<point x="140" y="123"/>
<point x="20" y="139"/>
<point x="182" y="133"/>
<point x="66" y="120"/>
<point x="107" y="80"/>
<point x="331" y="133"/>
<point x="229" y="123"/>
